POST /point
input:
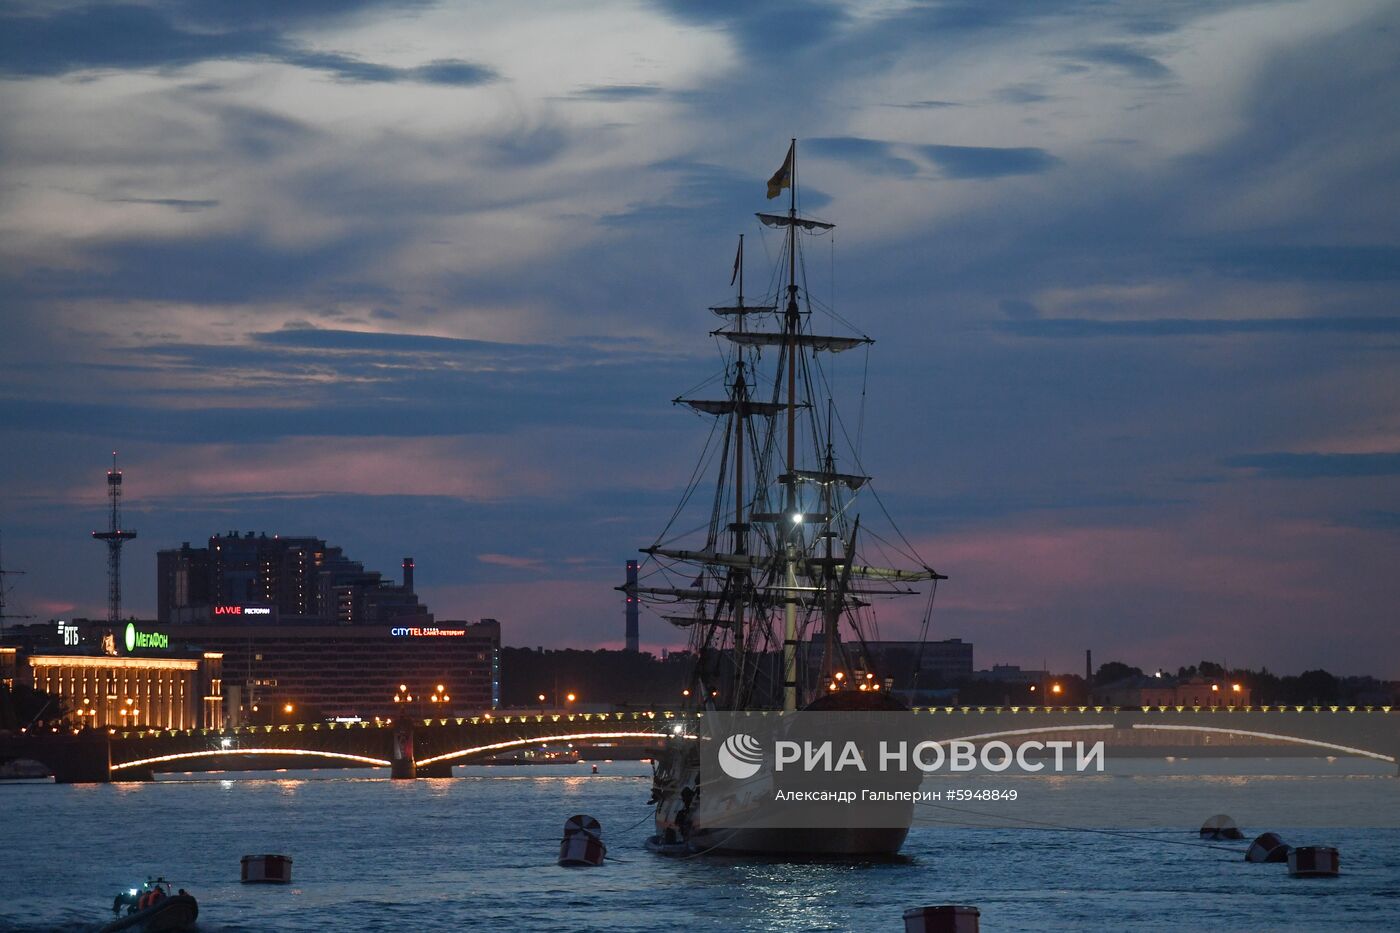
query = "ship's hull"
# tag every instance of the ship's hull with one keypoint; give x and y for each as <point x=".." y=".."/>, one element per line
<point x="747" y="820"/>
<point x="174" y="913"/>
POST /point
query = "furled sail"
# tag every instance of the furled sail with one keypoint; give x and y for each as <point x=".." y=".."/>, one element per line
<point x="851" y="481"/>
<point x="743" y="309"/>
<point x="688" y="621"/>
<point x="747" y="407"/>
<point x="811" y="341"/>
<point x="783" y="220"/>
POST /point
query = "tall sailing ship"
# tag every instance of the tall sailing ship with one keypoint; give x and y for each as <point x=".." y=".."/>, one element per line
<point x="776" y="586"/>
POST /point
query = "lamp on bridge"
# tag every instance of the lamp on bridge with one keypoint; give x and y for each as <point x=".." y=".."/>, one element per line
<point x="438" y="697"/>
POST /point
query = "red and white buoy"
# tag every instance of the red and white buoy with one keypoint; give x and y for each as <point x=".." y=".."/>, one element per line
<point x="267" y="869"/>
<point x="1267" y="847"/>
<point x="946" y="918"/>
<point x="1314" y="862"/>
<point x="582" y="845"/>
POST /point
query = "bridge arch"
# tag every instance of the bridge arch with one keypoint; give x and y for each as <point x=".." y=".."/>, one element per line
<point x="540" y="740"/>
<point x="229" y="752"/>
<point x="1172" y="727"/>
<point x="1273" y="736"/>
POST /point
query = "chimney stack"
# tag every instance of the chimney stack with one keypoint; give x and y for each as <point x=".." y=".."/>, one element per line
<point x="1088" y="666"/>
<point x="632" y="633"/>
<point x="408" y="574"/>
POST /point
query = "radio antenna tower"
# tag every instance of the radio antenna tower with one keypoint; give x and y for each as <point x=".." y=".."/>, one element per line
<point x="115" y="535"/>
<point x="5" y="591"/>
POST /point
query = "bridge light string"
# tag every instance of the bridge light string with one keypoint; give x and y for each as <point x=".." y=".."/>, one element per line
<point x="160" y="759"/>
<point x="1276" y="736"/>
<point x="517" y="743"/>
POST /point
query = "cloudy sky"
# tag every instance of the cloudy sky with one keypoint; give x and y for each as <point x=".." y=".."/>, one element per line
<point x="421" y="279"/>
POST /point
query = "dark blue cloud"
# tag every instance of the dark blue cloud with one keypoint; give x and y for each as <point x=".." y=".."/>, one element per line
<point x="771" y="28"/>
<point x="449" y="71"/>
<point x="183" y="205"/>
<point x="706" y="198"/>
<point x="1022" y="94"/>
<point x="1318" y="263"/>
<point x="115" y="36"/>
<point x="925" y="104"/>
<point x="223" y="13"/>
<point x="210" y="269"/>
<point x="1019" y="310"/>
<point x="119" y="37"/>
<point x="1374" y="520"/>
<point x="535" y="145"/>
<point x="1124" y="57"/>
<point x="1318" y="466"/>
<point x="988" y="161"/>
<point x="1199" y="327"/>
<point x="395" y="385"/>
<point x="872" y="155"/>
<point x="325" y="339"/>
<point x="616" y="92"/>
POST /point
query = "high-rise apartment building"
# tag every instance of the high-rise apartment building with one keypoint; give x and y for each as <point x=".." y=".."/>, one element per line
<point x="289" y="579"/>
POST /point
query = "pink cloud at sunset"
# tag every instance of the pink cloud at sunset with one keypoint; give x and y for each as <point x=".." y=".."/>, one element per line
<point x="453" y="466"/>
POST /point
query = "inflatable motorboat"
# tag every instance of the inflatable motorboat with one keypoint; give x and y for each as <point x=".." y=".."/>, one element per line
<point x="153" y="909"/>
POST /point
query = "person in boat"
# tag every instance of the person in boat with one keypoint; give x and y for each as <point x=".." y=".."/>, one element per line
<point x="683" y="815"/>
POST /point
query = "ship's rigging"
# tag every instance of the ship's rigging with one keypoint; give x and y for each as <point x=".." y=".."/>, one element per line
<point x="781" y="556"/>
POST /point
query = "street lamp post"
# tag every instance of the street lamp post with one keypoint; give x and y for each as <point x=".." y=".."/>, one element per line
<point x="438" y="697"/>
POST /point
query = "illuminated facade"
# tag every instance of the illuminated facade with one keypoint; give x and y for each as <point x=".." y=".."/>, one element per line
<point x="103" y="691"/>
<point x="351" y="670"/>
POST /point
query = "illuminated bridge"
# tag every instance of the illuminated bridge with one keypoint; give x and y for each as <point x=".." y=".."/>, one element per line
<point x="432" y="746"/>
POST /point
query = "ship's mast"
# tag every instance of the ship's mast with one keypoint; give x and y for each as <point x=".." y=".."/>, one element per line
<point x="791" y="327"/>
<point x="741" y="535"/>
<point x="752" y="584"/>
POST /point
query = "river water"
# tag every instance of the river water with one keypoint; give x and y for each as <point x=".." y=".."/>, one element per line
<point x="478" y="852"/>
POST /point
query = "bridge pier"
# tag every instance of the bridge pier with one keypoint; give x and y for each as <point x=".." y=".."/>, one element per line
<point x="403" y="766"/>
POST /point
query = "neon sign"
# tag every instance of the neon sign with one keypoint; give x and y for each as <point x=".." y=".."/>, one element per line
<point x="139" y="639"/>
<point x="427" y="632"/>
<point x="242" y="611"/>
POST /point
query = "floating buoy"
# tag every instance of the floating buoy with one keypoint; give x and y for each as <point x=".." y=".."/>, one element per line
<point x="1221" y="826"/>
<point x="946" y="918"/>
<point x="1267" y="848"/>
<point x="582" y="845"/>
<point x="595" y="769"/>
<point x="267" y="869"/>
<point x="1314" y="862"/>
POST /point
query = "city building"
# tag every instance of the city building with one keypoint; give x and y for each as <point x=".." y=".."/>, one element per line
<point x="1012" y="674"/>
<point x="285" y="579"/>
<point x="132" y="679"/>
<point x="323" y="671"/>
